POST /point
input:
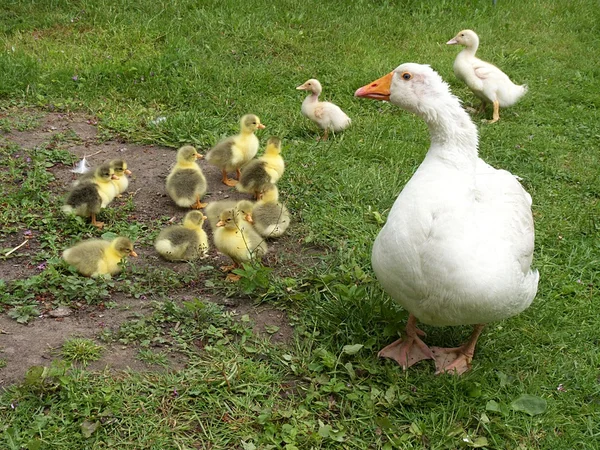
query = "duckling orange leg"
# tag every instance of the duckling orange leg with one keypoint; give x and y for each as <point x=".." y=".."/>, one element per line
<point x="456" y="360"/>
<point x="325" y="135"/>
<point x="238" y="173"/>
<point x="228" y="181"/>
<point x="198" y="204"/>
<point x="409" y="349"/>
<point x="496" y="114"/>
<point x="100" y="225"/>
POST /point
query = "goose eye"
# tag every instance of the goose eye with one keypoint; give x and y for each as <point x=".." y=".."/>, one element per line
<point x="462" y="35"/>
<point x="406" y="76"/>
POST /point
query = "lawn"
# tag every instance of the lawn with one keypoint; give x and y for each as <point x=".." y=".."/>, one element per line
<point x="197" y="67"/>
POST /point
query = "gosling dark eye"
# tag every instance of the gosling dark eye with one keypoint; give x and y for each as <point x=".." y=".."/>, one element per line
<point x="462" y="35"/>
<point x="406" y="76"/>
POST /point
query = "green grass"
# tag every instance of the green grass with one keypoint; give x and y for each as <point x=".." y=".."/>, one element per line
<point x="204" y="64"/>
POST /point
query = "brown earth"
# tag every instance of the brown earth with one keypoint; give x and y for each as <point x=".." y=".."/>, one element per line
<point x="23" y="346"/>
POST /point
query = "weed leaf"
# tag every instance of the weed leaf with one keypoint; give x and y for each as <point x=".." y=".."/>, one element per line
<point x="529" y="404"/>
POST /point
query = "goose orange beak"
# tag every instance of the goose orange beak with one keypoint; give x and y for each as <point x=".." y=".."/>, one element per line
<point x="378" y="89"/>
<point x="127" y="172"/>
<point x="260" y="126"/>
<point x="132" y="253"/>
<point x="220" y="223"/>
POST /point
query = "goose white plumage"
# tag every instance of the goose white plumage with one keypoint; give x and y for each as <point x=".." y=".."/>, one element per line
<point x="458" y="243"/>
<point x="325" y="114"/>
<point x="486" y="81"/>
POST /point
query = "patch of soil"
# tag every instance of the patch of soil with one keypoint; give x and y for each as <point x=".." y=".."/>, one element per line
<point x="23" y="346"/>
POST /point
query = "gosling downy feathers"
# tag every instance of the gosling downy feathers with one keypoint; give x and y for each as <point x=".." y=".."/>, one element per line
<point x="458" y="243"/>
<point x="259" y="174"/>
<point x="184" y="242"/>
<point x="233" y="152"/>
<point x="186" y="183"/>
<point x="486" y="81"/>
<point x="121" y="172"/>
<point x="236" y="240"/>
<point x="95" y="257"/>
<point x="87" y="197"/>
<point x="270" y="217"/>
<point x="214" y="209"/>
<point x="325" y="114"/>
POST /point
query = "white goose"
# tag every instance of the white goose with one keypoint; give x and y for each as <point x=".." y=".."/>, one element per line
<point x="486" y="81"/>
<point x="458" y="243"/>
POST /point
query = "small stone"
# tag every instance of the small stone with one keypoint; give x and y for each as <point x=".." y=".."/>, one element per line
<point x="61" y="311"/>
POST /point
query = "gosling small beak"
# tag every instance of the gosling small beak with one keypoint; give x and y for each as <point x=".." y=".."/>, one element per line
<point x="114" y="177"/>
<point x="199" y="156"/>
<point x="249" y="218"/>
<point x="220" y="223"/>
<point x="204" y="217"/>
<point x="127" y="172"/>
<point x="261" y="126"/>
<point x="132" y="253"/>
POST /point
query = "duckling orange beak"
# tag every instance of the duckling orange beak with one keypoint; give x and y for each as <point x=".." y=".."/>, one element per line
<point x="260" y="126"/>
<point x="127" y="172"/>
<point x="199" y="156"/>
<point x="132" y="253"/>
<point x="114" y="177"/>
<point x="378" y="89"/>
<point x="249" y="218"/>
<point x="220" y="223"/>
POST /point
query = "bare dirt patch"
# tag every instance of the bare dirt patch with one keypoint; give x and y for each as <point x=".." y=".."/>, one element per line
<point x="23" y="346"/>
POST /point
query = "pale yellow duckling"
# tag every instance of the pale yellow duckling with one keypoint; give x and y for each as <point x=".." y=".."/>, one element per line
<point x="486" y="81"/>
<point x="87" y="197"/>
<point x="259" y="174"/>
<point x="95" y="257"/>
<point x="186" y="183"/>
<point x="184" y="242"/>
<point x="325" y="114"/>
<point x="214" y="209"/>
<point x="233" y="152"/>
<point x="270" y="217"/>
<point x="121" y="172"/>
<point x="236" y="240"/>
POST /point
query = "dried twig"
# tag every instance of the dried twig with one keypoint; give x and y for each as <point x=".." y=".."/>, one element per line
<point x="17" y="247"/>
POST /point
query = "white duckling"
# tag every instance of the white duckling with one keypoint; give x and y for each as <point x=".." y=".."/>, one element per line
<point x="233" y="152"/>
<point x="186" y="183"/>
<point x="486" y="81"/>
<point x="270" y="217"/>
<point x="458" y="243"/>
<point x="263" y="172"/>
<point x="184" y="242"/>
<point x="94" y="257"/>
<point x="325" y="114"/>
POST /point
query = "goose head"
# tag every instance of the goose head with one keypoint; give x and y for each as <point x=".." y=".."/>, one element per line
<point x="194" y="219"/>
<point x="414" y="87"/>
<point x="466" y="38"/>
<point x="250" y="123"/>
<point x="312" y="86"/>
<point x="123" y="247"/>
<point x="187" y="154"/>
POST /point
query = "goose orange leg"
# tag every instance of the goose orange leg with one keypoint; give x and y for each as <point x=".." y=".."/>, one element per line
<point x="100" y="225"/>
<point x="228" y="181"/>
<point x="496" y="114"/>
<point x="456" y="360"/>
<point x="198" y="204"/>
<point x="409" y="349"/>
